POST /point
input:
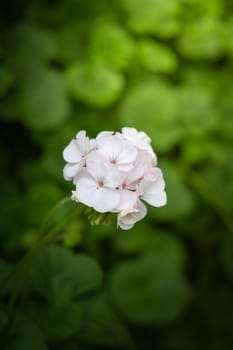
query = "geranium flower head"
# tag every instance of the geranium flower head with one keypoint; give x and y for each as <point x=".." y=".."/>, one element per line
<point x="114" y="174"/>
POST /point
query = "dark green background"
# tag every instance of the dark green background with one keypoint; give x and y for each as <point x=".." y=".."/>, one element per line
<point x="161" y="66"/>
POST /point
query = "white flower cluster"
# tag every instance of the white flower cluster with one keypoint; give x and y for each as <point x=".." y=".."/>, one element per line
<point x="115" y="173"/>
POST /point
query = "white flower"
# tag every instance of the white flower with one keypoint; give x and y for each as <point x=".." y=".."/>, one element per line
<point x="117" y="151"/>
<point x="152" y="191"/>
<point x="113" y="174"/>
<point x="96" y="186"/>
<point x="75" y="154"/>
<point x="139" y="139"/>
<point x="128" y="217"/>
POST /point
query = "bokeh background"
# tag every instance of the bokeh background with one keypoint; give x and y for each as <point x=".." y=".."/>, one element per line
<point x="161" y="66"/>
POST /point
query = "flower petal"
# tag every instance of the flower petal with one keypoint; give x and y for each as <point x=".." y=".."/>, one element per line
<point x="127" y="218"/>
<point x="83" y="142"/>
<point x="71" y="170"/>
<point x="88" y="191"/>
<point x="128" y="200"/>
<point x="157" y="199"/>
<point x="72" y="152"/>
<point x="106" y="199"/>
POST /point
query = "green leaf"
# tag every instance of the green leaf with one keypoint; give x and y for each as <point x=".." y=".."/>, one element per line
<point x="22" y="334"/>
<point x="227" y="34"/>
<point x="6" y="79"/>
<point x="3" y="320"/>
<point x="94" y="84"/>
<point x="61" y="276"/>
<point x="157" y="57"/>
<point x="202" y="39"/>
<point x="145" y="238"/>
<point x="101" y="326"/>
<point x="42" y="198"/>
<point x="56" y="323"/>
<point x="181" y="201"/>
<point x="149" y="290"/>
<point x="226" y="255"/>
<point x="219" y="183"/>
<point x="153" y="16"/>
<point x="111" y="45"/>
<point x="29" y="42"/>
<point x="153" y="107"/>
<point x="42" y="99"/>
<point x="202" y="118"/>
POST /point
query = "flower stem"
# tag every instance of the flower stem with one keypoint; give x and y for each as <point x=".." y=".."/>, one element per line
<point x="20" y="271"/>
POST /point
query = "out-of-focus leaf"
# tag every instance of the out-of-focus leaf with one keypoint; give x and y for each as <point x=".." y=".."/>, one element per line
<point x="6" y="79"/>
<point x="57" y="323"/>
<point x="200" y="150"/>
<point x="111" y="45"/>
<point x="181" y="201"/>
<point x="3" y="320"/>
<point x="73" y="235"/>
<point x="225" y="102"/>
<point x="61" y="276"/>
<point x="22" y="334"/>
<point x="157" y="57"/>
<point x="101" y="326"/>
<point x="95" y="84"/>
<point x="217" y="307"/>
<point x="42" y="198"/>
<point x="202" y="39"/>
<point x="226" y="255"/>
<point x="28" y="42"/>
<point x="134" y="240"/>
<point x="42" y="99"/>
<point x="153" y="16"/>
<point x="227" y="34"/>
<point x="153" y="107"/>
<point x="198" y="111"/>
<point x="219" y="182"/>
<point x="147" y="239"/>
<point x="149" y="290"/>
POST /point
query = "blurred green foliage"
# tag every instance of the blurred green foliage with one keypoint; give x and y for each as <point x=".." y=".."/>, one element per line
<point x="164" y="67"/>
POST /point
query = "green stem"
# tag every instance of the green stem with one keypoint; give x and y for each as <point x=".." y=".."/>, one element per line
<point x="21" y="269"/>
<point x="45" y="223"/>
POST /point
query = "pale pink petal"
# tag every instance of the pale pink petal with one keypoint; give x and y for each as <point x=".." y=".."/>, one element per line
<point x="85" y="188"/>
<point x="96" y="164"/>
<point x="103" y="171"/>
<point x="104" y="134"/>
<point x="71" y="170"/>
<point x="153" y="191"/>
<point x="127" y="218"/>
<point x="105" y="199"/>
<point x="81" y="134"/>
<point x="89" y="192"/>
<point x="124" y="226"/>
<point x="127" y="154"/>
<point x="125" y="167"/>
<point x="146" y="158"/>
<point x="113" y="176"/>
<point x="92" y="144"/>
<point x="157" y="199"/>
<point x="72" y="153"/>
<point x="109" y="147"/>
<point x="139" y="138"/>
<point x="133" y="175"/>
<point x="83" y="142"/>
<point x="128" y="200"/>
<point x="154" y="186"/>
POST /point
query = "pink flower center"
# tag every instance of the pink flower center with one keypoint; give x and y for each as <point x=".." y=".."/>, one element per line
<point x="100" y="183"/>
